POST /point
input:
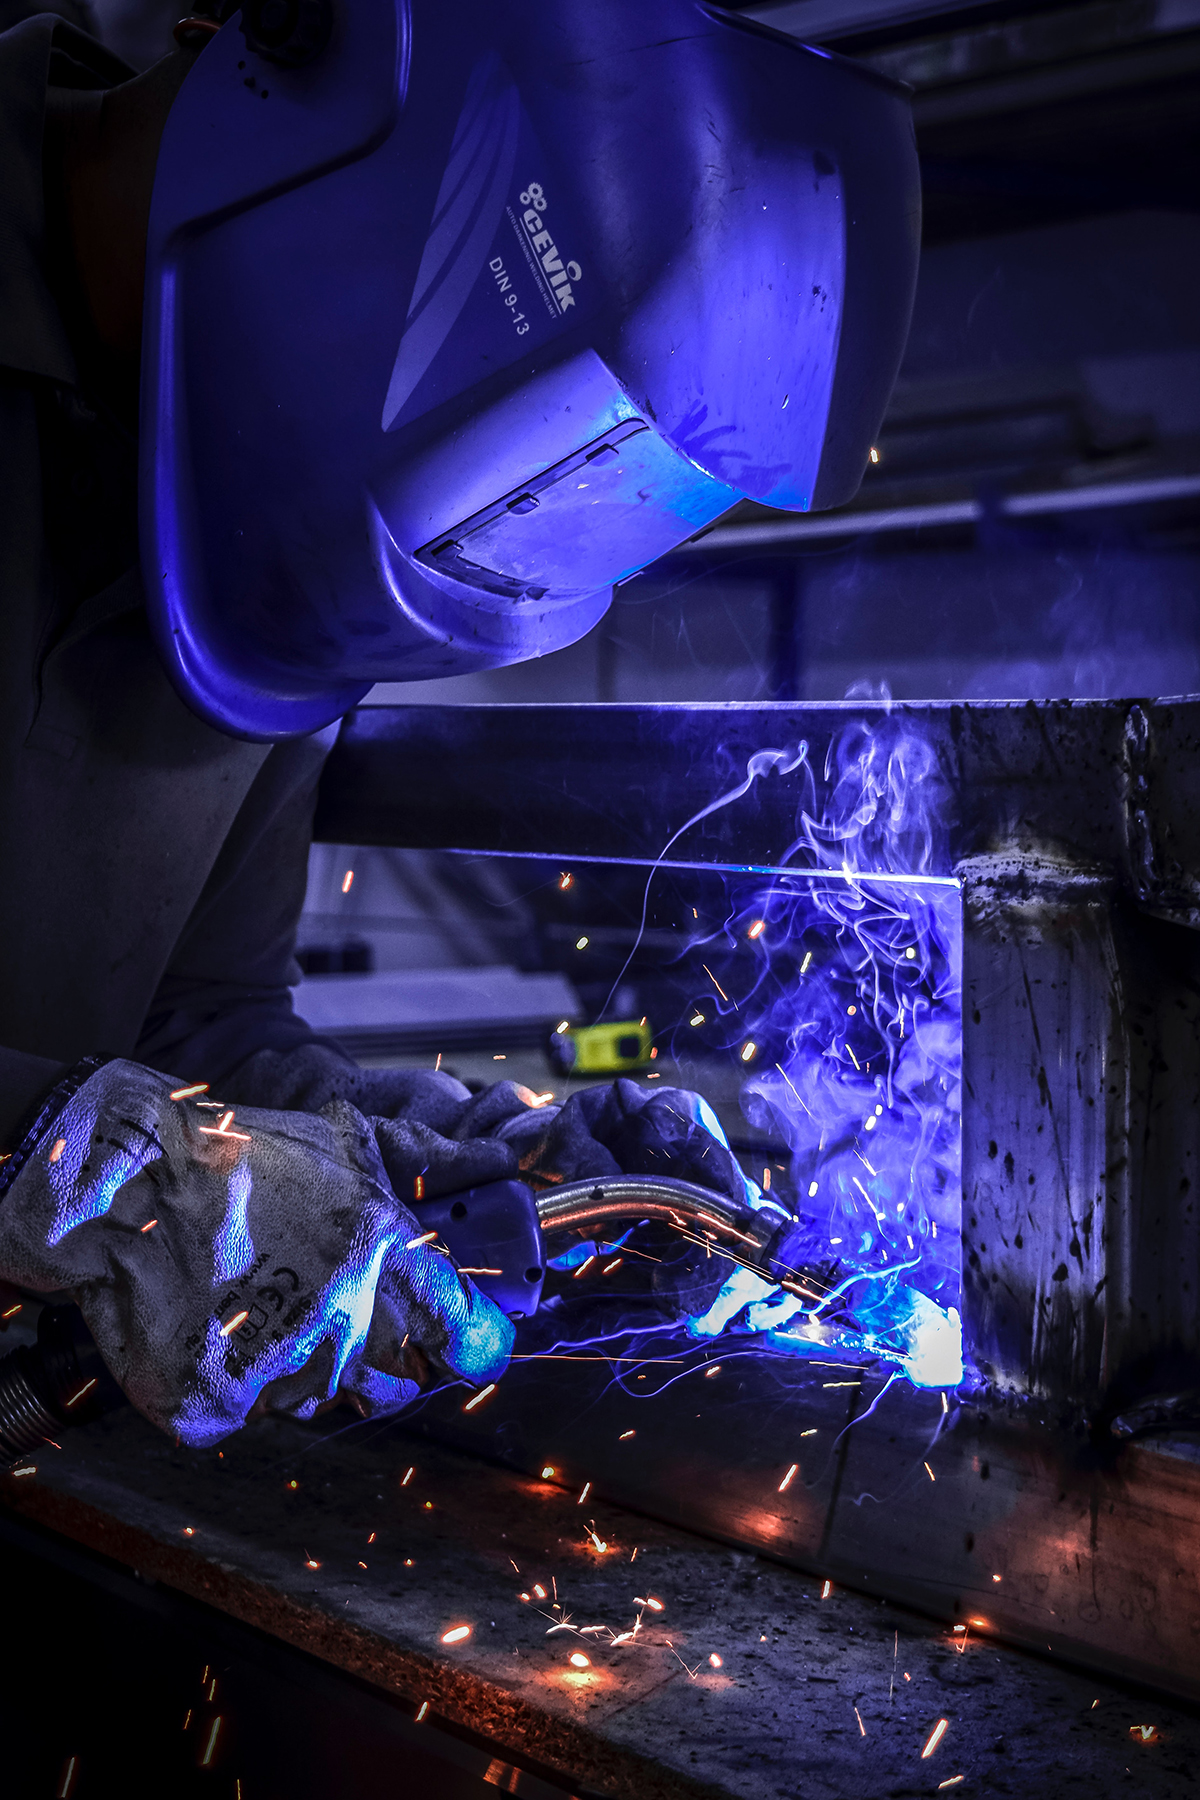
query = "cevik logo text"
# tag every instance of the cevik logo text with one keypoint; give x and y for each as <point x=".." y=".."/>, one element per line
<point x="558" y="275"/>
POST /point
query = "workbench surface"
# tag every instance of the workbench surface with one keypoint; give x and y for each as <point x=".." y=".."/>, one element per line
<point x="319" y="1536"/>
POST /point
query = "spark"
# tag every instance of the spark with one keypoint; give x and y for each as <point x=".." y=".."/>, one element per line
<point x="709" y="1373"/>
<point x="609" y="1267"/>
<point x="715" y="1661"/>
<point x="749" y="1051"/>
<point x="481" y="1396"/>
<point x="563" y="1026"/>
<point x="910" y="953"/>
<point x="68" y="1779"/>
<point x="547" y="1473"/>
<point x="464" y="1270"/>
<point x="85" y="1389"/>
<point x="186" y="1093"/>
<point x="57" y="1149"/>
<point x="805" y="963"/>
<point x="539" y="1590"/>
<point x="30" y="1469"/>
<point x="935" y="1737"/>
<point x="587" y="1488"/>
<point x="766" y="1181"/>
<point x="952" y="1782"/>
<point x="408" y="1475"/>
<point x="1145" y="1734"/>
<point x="12" y="1311"/>
<point x="578" y="1660"/>
<point x="437" y="1065"/>
<point x="189" y="1531"/>
<point x="347" y="881"/>
<point x="792" y="1085"/>
<point x="565" y="881"/>
<point x="458" y="1634"/>
<point x="239" y="1318"/>
<point x="812" y="1190"/>
<point x="697" y="1018"/>
<point x="788" y="1479"/>
<point x="930" y="1473"/>
<point x="853" y="1058"/>
<point x="312" y="1563"/>
<point x="827" y="1590"/>
<point x="833" y="1384"/>
<point x="362" y="1565"/>
<point x="651" y="1602"/>
<point x="149" y="1226"/>
<point x="500" y="1057"/>
<point x="581" y="943"/>
<point x="222" y="1129"/>
<point x="716" y="983"/>
<point x="419" y="1194"/>
<point x="426" y="1237"/>
<point x="862" y="1728"/>
<point x="584" y="1267"/>
<point x="997" y="1578"/>
<point x="206" y="1759"/>
<point x="422" y="1710"/>
<point x="811" y="1432"/>
<point x="757" y="929"/>
<point x="626" y="1434"/>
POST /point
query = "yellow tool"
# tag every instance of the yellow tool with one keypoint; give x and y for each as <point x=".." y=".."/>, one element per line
<point x="613" y="1049"/>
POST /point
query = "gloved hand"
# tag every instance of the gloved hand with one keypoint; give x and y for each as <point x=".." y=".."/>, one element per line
<point x="622" y="1129"/>
<point x="218" y="1259"/>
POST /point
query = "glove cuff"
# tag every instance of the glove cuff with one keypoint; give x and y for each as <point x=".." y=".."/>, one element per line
<point x="41" y="1118"/>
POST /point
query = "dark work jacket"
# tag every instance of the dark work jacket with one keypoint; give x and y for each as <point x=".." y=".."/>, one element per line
<point x="151" y="869"/>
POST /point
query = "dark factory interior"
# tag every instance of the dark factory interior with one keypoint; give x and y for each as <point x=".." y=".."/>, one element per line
<point x="600" y="972"/>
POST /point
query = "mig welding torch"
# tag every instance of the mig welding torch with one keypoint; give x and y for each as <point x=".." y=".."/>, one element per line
<point x="498" y="1231"/>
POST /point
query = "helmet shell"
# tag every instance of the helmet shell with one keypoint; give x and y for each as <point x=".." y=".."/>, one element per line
<point x="484" y="309"/>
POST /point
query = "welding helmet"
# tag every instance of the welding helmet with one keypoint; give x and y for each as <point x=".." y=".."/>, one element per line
<point x="456" y="315"/>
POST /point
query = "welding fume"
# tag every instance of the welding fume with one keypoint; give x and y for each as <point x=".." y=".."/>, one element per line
<point x="362" y="340"/>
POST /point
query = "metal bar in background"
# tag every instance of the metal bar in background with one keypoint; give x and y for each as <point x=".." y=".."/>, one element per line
<point x="799" y="529"/>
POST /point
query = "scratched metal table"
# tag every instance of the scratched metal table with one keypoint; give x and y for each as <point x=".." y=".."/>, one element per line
<point x="747" y="1683"/>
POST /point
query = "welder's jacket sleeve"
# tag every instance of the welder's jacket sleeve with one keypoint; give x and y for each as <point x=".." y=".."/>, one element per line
<point x="153" y="869"/>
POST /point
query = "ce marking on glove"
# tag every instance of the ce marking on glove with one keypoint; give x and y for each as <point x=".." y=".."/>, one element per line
<point x="245" y="1322"/>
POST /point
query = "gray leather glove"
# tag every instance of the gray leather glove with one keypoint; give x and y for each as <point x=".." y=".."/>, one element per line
<point x="218" y="1258"/>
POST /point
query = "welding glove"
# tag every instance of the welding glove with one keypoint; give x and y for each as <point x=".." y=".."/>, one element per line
<point x="621" y="1129"/>
<point x="221" y="1258"/>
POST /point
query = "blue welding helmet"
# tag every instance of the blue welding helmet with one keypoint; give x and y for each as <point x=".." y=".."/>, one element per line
<point x="456" y="315"/>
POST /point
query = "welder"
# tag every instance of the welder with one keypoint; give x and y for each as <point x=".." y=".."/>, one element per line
<point x="356" y="341"/>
